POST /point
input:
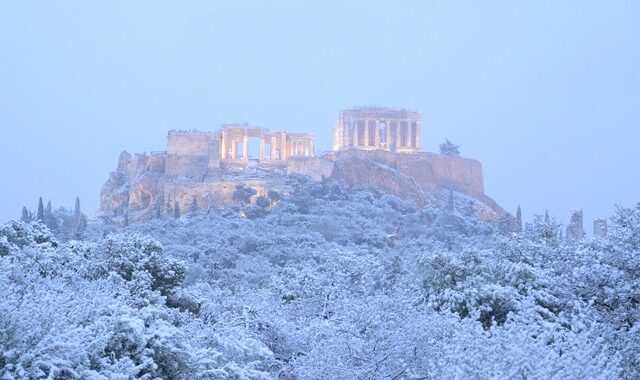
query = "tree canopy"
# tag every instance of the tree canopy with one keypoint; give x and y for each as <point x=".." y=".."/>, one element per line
<point x="330" y="282"/>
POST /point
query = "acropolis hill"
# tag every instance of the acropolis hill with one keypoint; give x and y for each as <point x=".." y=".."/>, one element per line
<point x="371" y="146"/>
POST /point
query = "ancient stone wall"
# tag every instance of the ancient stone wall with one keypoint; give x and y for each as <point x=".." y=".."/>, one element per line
<point x="208" y="194"/>
<point x="315" y="167"/>
<point x="190" y="143"/>
<point x="214" y="155"/>
<point x="186" y="166"/>
<point x="157" y="162"/>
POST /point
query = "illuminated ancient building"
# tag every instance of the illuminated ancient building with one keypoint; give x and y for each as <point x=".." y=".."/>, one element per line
<point x="371" y="128"/>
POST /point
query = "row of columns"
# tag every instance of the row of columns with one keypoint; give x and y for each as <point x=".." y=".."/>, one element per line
<point x="301" y="148"/>
<point x="282" y="143"/>
<point x="406" y="134"/>
<point x="277" y="149"/>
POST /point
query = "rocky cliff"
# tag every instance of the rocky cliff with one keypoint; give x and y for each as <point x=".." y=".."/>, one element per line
<point x="144" y="185"/>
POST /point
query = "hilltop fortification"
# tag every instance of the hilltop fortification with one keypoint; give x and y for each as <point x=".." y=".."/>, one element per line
<point x="372" y="146"/>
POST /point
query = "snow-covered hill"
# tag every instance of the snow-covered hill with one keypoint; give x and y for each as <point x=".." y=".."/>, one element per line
<point x="330" y="282"/>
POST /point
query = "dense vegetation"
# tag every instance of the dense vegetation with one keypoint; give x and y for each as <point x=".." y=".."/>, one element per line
<point x="327" y="283"/>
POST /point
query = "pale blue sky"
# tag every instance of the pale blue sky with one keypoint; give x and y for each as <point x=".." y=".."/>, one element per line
<point x="545" y="93"/>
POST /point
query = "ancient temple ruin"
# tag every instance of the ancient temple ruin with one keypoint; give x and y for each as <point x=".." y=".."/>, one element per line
<point x="373" y="146"/>
<point x="372" y="128"/>
<point x="273" y="146"/>
<point x="201" y="154"/>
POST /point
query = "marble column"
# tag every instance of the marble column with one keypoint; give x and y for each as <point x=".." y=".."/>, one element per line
<point x="223" y="145"/>
<point x="376" y="129"/>
<point x="261" y="157"/>
<point x="366" y="132"/>
<point x="354" y="132"/>
<point x="387" y="131"/>
<point x="245" y="146"/>
<point x="417" y="135"/>
<point x="234" y="150"/>
<point x="284" y="151"/>
<point x="398" y="131"/>
<point x="407" y="140"/>
<point x="272" y="154"/>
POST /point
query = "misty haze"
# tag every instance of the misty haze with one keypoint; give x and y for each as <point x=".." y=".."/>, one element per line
<point x="321" y="190"/>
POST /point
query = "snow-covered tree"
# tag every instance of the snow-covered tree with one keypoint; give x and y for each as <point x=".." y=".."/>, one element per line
<point x="243" y="194"/>
<point x="447" y="148"/>
<point x="324" y="282"/>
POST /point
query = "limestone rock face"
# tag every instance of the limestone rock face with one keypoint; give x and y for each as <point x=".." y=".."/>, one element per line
<point x="417" y="176"/>
<point x="146" y="184"/>
<point x="575" y="230"/>
<point x="114" y="197"/>
<point x="135" y="186"/>
<point x="425" y="170"/>
<point x="123" y="161"/>
<point x="362" y="171"/>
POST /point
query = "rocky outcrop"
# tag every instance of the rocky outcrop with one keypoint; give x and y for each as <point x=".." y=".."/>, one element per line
<point x="425" y="170"/>
<point x="415" y="176"/>
<point x="144" y="185"/>
<point x="361" y="171"/>
<point x="135" y="186"/>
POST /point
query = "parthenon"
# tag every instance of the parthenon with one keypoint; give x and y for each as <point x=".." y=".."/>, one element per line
<point x="369" y="128"/>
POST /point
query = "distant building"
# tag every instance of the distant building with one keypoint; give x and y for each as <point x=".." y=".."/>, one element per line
<point x="575" y="230"/>
<point x="600" y="227"/>
<point x="372" y="128"/>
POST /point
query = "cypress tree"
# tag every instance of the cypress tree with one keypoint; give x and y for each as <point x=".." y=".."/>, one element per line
<point x="49" y="219"/>
<point x="26" y="216"/>
<point x="168" y="208"/>
<point x="76" y="211"/>
<point x="40" y="215"/>
<point x="194" y="205"/>
<point x="79" y="221"/>
<point x="176" y="211"/>
<point x="519" y="219"/>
